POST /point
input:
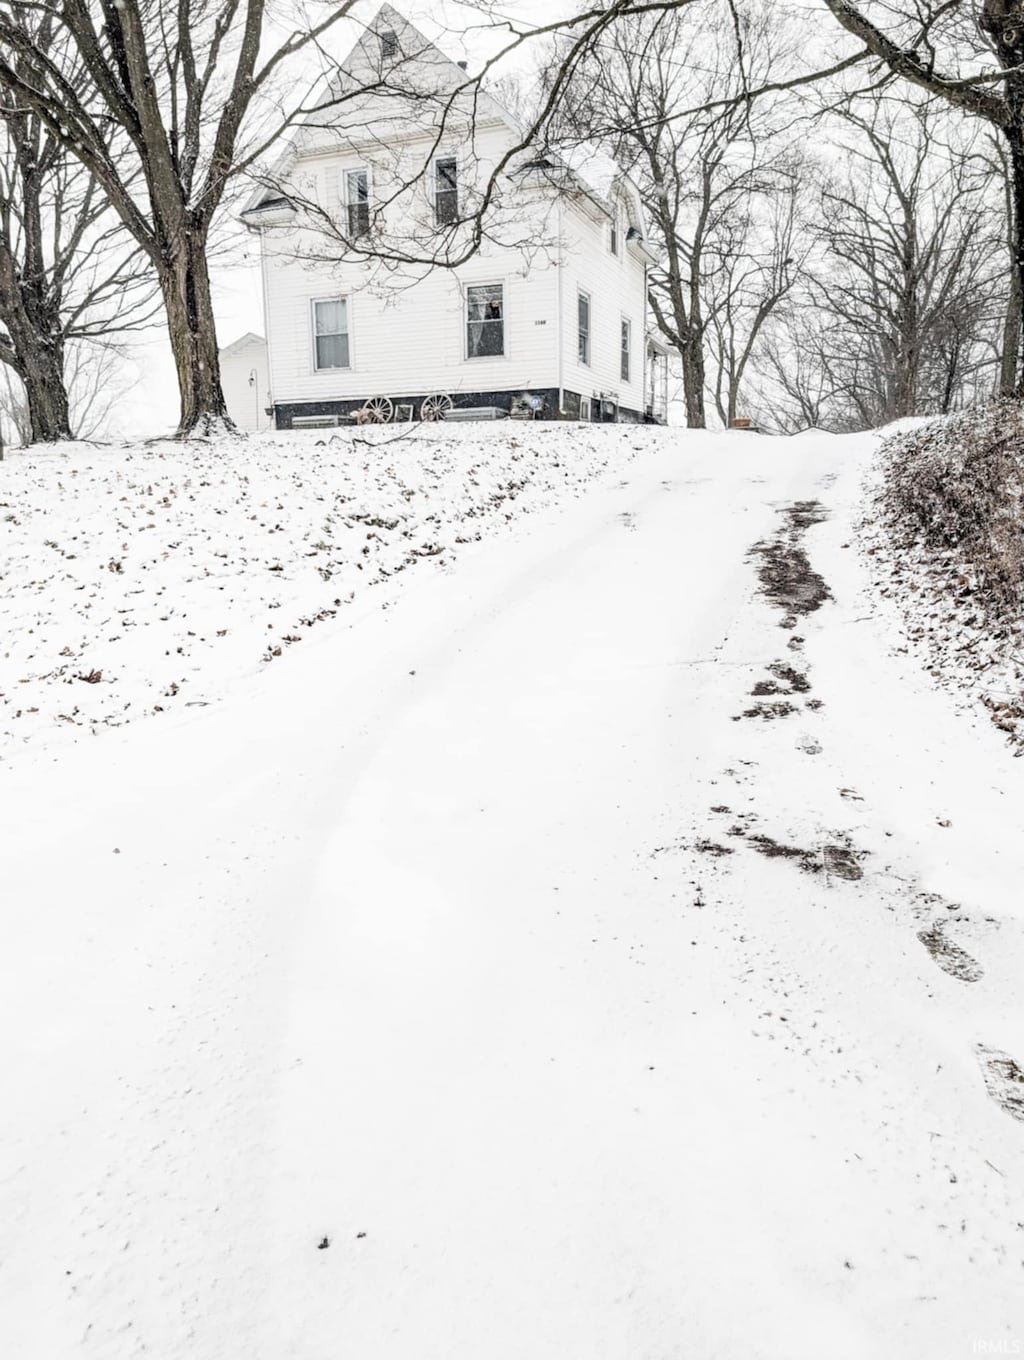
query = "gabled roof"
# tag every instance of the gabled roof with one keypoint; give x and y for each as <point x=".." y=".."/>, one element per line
<point x="400" y="79"/>
<point x="243" y="341"/>
<point x="394" y="79"/>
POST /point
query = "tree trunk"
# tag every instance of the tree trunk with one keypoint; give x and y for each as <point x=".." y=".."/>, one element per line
<point x="1011" y="377"/>
<point x="692" y="358"/>
<point x="47" y="398"/>
<point x="37" y="356"/>
<point x="185" y="285"/>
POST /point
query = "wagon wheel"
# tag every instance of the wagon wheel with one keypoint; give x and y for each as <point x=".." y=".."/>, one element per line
<point x="436" y="407"/>
<point x="378" y="410"/>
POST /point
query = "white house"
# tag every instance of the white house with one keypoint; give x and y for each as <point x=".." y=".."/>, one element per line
<point x="373" y="298"/>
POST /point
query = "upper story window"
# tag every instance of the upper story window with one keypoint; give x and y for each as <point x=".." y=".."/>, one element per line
<point x="583" y="314"/>
<point x="389" y="43"/>
<point x="357" y="202"/>
<point x="485" y="320"/>
<point x="615" y="232"/>
<point x="446" y="190"/>
<point x="626" y="344"/>
<point x="330" y="333"/>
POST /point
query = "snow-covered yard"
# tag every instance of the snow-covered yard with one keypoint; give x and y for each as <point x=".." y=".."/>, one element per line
<point x="141" y="579"/>
<point x="603" y="941"/>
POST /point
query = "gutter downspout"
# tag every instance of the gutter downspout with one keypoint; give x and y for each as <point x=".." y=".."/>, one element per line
<point x="558" y="327"/>
<point x="266" y="324"/>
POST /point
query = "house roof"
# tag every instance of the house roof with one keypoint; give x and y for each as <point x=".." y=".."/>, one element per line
<point x="243" y="341"/>
<point x="393" y="78"/>
<point x="401" y="80"/>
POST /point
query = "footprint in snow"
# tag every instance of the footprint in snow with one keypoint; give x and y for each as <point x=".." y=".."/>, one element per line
<point x="1004" y="1079"/>
<point x="948" y="954"/>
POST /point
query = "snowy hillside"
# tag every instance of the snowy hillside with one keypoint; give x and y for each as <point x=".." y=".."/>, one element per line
<point x="611" y="948"/>
<point x="144" y="578"/>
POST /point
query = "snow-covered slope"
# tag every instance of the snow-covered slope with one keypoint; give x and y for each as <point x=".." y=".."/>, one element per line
<point x="145" y="578"/>
<point x="609" y="949"/>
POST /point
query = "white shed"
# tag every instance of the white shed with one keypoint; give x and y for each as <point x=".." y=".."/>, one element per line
<point x="244" y="378"/>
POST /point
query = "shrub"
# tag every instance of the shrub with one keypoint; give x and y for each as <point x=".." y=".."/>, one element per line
<point x="956" y="488"/>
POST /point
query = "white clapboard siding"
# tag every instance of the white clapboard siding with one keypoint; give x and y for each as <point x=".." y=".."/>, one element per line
<point x="616" y="284"/>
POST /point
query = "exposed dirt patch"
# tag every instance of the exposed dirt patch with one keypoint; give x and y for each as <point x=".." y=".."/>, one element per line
<point x="1004" y="1079"/>
<point x="808" y="860"/>
<point x="948" y="954"/>
<point x="789" y="580"/>
<point x="786" y="680"/>
<point x="706" y="847"/>
<point x="785" y="572"/>
<point x="837" y="858"/>
<point x="796" y="680"/>
<point x="802" y="514"/>
<point x="841" y="860"/>
<point x="780" y="708"/>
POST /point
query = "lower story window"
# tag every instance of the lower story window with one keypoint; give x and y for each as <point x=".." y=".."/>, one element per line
<point x="330" y="333"/>
<point x="485" y="320"/>
<point x="583" y="312"/>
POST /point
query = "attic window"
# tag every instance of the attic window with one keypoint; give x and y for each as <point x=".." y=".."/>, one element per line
<point x="389" y="43"/>
<point x="357" y="202"/>
<point x="446" y="191"/>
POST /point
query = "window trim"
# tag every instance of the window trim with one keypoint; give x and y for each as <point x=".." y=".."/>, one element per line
<point x="349" y="205"/>
<point x="484" y="283"/>
<point x="448" y="156"/>
<point x="314" y="335"/>
<point x="625" y="350"/>
<point x="585" y="360"/>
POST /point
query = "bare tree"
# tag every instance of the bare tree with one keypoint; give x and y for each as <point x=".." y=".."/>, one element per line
<point x="898" y="310"/>
<point x="753" y="283"/>
<point x="97" y="378"/>
<point x="66" y="272"/>
<point x="972" y="56"/>
<point x="684" y="103"/>
<point x="151" y="99"/>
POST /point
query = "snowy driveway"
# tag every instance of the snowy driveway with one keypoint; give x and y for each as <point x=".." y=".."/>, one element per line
<point x="534" y="969"/>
